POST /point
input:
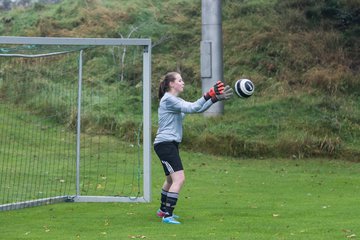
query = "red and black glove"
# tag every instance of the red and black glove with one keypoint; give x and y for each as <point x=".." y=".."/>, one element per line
<point x="217" y="89"/>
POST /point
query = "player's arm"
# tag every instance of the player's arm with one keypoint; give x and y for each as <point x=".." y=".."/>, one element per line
<point x="217" y="93"/>
<point x="178" y="105"/>
<point x="202" y="104"/>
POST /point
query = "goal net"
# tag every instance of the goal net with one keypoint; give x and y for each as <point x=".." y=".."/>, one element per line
<point x="75" y="122"/>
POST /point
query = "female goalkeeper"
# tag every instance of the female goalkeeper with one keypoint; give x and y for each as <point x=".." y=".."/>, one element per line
<point x="171" y="113"/>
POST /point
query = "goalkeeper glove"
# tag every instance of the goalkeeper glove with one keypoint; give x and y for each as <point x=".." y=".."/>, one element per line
<point x="217" y="89"/>
<point x="227" y="94"/>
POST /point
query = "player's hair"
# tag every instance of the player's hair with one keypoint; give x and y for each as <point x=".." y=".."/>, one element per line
<point x="165" y="83"/>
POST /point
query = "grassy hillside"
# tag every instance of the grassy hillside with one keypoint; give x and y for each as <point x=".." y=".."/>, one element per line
<point x="302" y="55"/>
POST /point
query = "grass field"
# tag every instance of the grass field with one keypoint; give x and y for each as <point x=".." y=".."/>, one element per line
<point x="223" y="198"/>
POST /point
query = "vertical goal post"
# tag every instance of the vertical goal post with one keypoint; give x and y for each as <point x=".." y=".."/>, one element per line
<point x="146" y="111"/>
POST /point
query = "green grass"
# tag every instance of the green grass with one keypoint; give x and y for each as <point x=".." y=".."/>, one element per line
<point x="223" y="198"/>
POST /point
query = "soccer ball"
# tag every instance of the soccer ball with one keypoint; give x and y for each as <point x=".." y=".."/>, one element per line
<point x="244" y="88"/>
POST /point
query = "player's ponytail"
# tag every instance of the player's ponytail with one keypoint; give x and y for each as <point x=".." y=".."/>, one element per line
<point x="162" y="89"/>
<point x="165" y="83"/>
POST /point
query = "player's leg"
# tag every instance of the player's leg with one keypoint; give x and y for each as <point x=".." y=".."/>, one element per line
<point x="167" y="183"/>
<point x="164" y="191"/>
<point x="178" y="179"/>
<point x="168" y="153"/>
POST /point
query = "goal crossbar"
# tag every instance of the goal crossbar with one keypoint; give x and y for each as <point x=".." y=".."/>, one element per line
<point x="76" y="41"/>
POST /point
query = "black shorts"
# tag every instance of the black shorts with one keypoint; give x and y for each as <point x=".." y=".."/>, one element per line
<point x="168" y="153"/>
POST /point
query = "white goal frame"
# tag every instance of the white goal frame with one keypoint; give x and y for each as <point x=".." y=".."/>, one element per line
<point x="146" y="79"/>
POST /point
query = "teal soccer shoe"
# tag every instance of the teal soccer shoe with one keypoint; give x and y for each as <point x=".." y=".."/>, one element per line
<point x="170" y="220"/>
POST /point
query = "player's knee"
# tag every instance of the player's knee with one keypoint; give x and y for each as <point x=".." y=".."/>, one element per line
<point x="181" y="180"/>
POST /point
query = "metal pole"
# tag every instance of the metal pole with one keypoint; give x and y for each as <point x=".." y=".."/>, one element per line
<point x="78" y="131"/>
<point x="211" y="50"/>
<point x="147" y="121"/>
<point x="74" y="41"/>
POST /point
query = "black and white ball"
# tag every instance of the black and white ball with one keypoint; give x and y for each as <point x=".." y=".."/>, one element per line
<point x="244" y="88"/>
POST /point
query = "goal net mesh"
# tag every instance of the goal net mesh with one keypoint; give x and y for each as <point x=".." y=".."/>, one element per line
<point x="39" y="92"/>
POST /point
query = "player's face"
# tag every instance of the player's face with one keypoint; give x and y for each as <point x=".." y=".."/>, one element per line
<point x="178" y="84"/>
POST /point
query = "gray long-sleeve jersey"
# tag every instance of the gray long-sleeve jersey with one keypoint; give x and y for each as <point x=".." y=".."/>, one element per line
<point x="171" y="113"/>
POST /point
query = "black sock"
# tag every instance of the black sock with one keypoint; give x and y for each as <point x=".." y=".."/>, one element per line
<point x="163" y="200"/>
<point x="171" y="200"/>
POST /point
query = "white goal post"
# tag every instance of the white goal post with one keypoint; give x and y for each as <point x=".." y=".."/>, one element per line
<point x="146" y="111"/>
